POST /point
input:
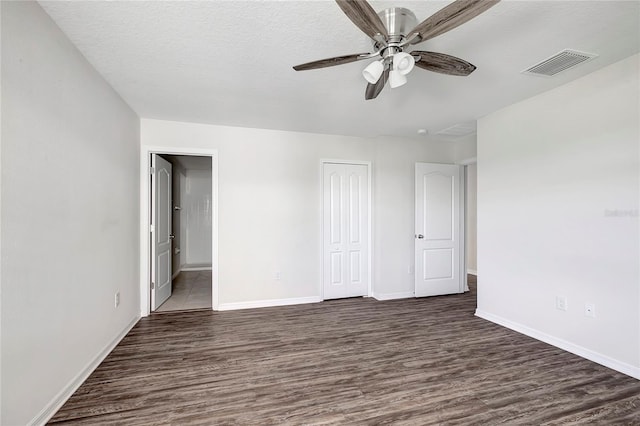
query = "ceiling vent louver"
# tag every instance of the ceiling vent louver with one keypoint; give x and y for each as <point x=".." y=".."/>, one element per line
<point x="559" y="62"/>
<point x="458" y="130"/>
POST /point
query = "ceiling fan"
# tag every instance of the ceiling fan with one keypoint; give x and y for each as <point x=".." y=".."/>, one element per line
<point x="393" y="32"/>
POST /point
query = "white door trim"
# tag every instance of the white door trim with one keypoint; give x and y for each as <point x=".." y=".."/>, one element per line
<point x="324" y="161"/>
<point x="145" y="212"/>
<point x="468" y="161"/>
<point x="465" y="231"/>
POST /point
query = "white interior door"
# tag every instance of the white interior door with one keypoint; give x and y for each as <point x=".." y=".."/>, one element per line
<point x="345" y="230"/>
<point x="160" y="231"/>
<point x="439" y="239"/>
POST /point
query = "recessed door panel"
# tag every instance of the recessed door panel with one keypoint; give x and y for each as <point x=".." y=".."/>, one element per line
<point x="355" y="217"/>
<point x="438" y="206"/>
<point x="164" y="271"/>
<point x="336" y="268"/>
<point x="355" y="266"/>
<point x="438" y="264"/>
<point x="335" y="207"/>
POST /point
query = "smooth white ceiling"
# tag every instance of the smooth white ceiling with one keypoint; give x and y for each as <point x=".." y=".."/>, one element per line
<point x="230" y="62"/>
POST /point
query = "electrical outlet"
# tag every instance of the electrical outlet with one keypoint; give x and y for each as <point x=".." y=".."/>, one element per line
<point x="561" y="303"/>
<point x="590" y="310"/>
<point x="277" y="276"/>
<point x="410" y="269"/>
<point x="116" y="299"/>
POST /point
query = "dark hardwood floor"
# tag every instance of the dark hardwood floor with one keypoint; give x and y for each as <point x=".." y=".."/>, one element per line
<point x="351" y="361"/>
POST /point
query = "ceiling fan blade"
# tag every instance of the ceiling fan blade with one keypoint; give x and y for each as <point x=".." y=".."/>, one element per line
<point x="448" y="18"/>
<point x="330" y="62"/>
<point x="364" y="17"/>
<point x="373" y="90"/>
<point x="444" y="64"/>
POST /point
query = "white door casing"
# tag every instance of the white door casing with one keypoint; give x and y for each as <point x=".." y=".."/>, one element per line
<point x="160" y="231"/>
<point x="345" y="230"/>
<point x="439" y="239"/>
<point x="145" y="218"/>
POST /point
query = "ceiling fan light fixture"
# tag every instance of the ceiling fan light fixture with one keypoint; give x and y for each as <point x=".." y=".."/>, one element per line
<point x="403" y="62"/>
<point x="373" y="71"/>
<point x="396" y="79"/>
<point x="395" y="29"/>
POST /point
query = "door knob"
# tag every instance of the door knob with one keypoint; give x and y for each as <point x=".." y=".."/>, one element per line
<point x="171" y="236"/>
<point x="420" y="236"/>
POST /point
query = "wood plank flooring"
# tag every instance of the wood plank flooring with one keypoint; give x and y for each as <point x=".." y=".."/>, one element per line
<point x="351" y="361"/>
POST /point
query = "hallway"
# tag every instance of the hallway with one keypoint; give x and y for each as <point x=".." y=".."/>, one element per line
<point x="191" y="290"/>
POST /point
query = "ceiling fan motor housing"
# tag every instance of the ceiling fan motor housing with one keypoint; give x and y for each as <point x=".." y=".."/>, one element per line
<point x="398" y="21"/>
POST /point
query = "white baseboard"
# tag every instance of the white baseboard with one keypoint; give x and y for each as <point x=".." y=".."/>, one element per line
<point x="195" y="268"/>
<point x="58" y="401"/>
<point x="175" y="274"/>
<point x="472" y="272"/>
<point x="392" y="296"/>
<point x="583" y="352"/>
<point x="267" y="303"/>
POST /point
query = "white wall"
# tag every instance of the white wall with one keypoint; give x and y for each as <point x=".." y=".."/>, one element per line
<point x="0" y="223"/>
<point x="558" y="198"/>
<point x="197" y="204"/>
<point x="270" y="204"/>
<point x="69" y="214"/>
<point x="176" y="218"/>
<point x="471" y="219"/>
<point x="466" y="148"/>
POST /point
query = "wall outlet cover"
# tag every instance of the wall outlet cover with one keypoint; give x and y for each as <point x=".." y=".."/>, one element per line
<point x="561" y="303"/>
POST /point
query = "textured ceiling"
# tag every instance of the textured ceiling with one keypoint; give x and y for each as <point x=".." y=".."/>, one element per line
<point x="229" y="62"/>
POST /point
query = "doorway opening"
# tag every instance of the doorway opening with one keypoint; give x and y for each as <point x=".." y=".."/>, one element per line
<point x="190" y="237"/>
<point x="470" y="215"/>
<point x="179" y="230"/>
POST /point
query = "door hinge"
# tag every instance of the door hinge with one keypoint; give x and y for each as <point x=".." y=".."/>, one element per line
<point x="152" y="170"/>
<point x="153" y="285"/>
<point x="152" y="228"/>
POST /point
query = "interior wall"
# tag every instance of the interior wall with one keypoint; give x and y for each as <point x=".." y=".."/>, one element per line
<point x="198" y="207"/>
<point x="558" y="199"/>
<point x="0" y="224"/>
<point x="471" y="218"/>
<point x="270" y="205"/>
<point x="70" y="240"/>
<point x="178" y="242"/>
<point x="466" y="148"/>
<point x="182" y="237"/>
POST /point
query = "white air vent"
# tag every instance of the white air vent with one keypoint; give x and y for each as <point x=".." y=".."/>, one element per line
<point x="458" y="130"/>
<point x="559" y="62"/>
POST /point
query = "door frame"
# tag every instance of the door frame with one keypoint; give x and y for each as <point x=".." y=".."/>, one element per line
<point x="324" y="161"/>
<point x="465" y="163"/>
<point x="145" y="214"/>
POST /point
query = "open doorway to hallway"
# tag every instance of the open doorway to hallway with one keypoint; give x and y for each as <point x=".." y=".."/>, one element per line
<point x="190" y="290"/>
<point x="471" y="171"/>
<point x="190" y="232"/>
